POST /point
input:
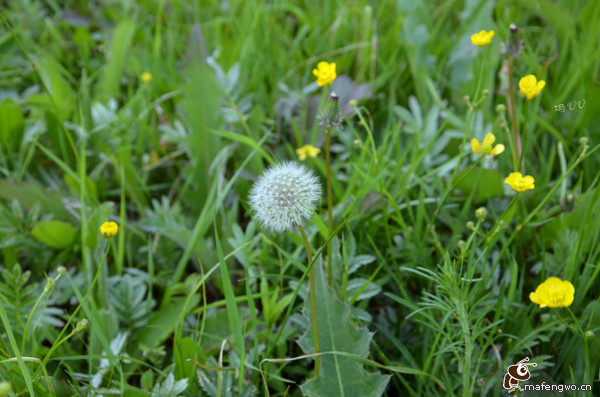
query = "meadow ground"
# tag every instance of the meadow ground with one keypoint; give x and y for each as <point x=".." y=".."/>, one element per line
<point x="187" y="210"/>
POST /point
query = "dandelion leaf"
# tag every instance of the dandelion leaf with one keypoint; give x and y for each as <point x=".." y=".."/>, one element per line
<point x="340" y="375"/>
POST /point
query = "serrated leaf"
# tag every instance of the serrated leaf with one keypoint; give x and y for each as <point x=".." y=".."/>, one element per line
<point x="484" y="183"/>
<point x="339" y="375"/>
<point x="355" y="285"/>
<point x="169" y="387"/>
<point x="55" y="234"/>
<point x="358" y="261"/>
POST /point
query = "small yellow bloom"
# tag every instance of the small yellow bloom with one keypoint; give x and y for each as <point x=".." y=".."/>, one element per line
<point x="146" y="77"/>
<point x="482" y="38"/>
<point x="553" y="293"/>
<point x="530" y="87"/>
<point x="109" y="229"/>
<point x="519" y="182"/>
<point x="325" y="73"/>
<point x="307" y="150"/>
<point x="486" y="146"/>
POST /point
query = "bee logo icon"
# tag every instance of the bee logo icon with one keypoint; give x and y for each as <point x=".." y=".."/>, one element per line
<point x="516" y="373"/>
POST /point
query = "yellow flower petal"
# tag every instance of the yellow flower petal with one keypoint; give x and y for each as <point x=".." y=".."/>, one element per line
<point x="482" y="38"/>
<point x="307" y="151"/>
<point x="109" y="229"/>
<point x="325" y="73"/>
<point x="541" y="84"/>
<point x="146" y="77"/>
<point x="301" y="152"/>
<point x="489" y="139"/>
<point x="313" y="151"/>
<point x="520" y="183"/>
<point x="476" y="146"/>
<point x="553" y="293"/>
<point x="530" y="87"/>
<point x="499" y="148"/>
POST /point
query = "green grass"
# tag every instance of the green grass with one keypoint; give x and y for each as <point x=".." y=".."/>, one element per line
<point x="194" y="298"/>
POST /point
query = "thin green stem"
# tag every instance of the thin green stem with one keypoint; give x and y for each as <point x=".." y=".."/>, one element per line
<point x="329" y="203"/>
<point x="513" y="113"/>
<point x="49" y="285"/>
<point x="483" y="62"/>
<point x="460" y="157"/>
<point x="89" y="291"/>
<point x="576" y="323"/>
<point x="586" y="352"/>
<point x="511" y="142"/>
<point x="363" y="122"/>
<point x="522" y="137"/>
<point x="584" y="154"/>
<point x="313" y="300"/>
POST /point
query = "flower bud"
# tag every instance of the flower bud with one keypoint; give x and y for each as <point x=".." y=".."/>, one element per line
<point x="470" y="225"/>
<point x="501" y="108"/>
<point x="485" y="92"/>
<point x="5" y="388"/>
<point x="583" y="140"/>
<point x="61" y="270"/>
<point x="481" y="213"/>
<point x="331" y="115"/>
<point x="513" y="28"/>
<point x="353" y="103"/>
<point x="570" y="198"/>
<point x="357" y="143"/>
<point x="461" y="244"/>
<point x="50" y="283"/>
<point x="81" y="325"/>
<point x="589" y="335"/>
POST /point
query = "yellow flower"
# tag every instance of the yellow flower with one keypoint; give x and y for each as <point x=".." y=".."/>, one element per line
<point x="146" y="77"/>
<point x="109" y="229"/>
<point x="553" y="292"/>
<point x="486" y="146"/>
<point x="530" y="87"/>
<point x="482" y="38"/>
<point x="307" y="150"/>
<point x="325" y="73"/>
<point x="519" y="182"/>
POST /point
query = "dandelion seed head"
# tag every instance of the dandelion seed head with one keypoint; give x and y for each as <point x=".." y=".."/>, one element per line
<point x="286" y="195"/>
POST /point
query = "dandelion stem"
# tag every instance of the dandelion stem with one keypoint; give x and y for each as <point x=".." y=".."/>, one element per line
<point x="313" y="300"/>
<point x="522" y="144"/>
<point x="329" y="202"/>
<point x="513" y="114"/>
